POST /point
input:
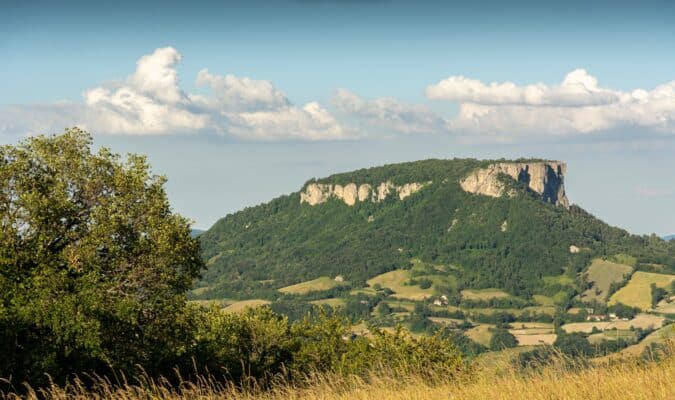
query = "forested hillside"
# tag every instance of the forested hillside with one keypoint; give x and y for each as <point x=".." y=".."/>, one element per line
<point x="484" y="242"/>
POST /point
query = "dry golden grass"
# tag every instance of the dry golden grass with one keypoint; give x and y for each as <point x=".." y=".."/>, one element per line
<point x="627" y="380"/>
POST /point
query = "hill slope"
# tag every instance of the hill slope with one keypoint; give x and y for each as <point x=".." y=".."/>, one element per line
<point x="363" y="223"/>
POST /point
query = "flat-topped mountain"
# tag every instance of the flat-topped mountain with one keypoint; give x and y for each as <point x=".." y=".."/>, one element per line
<point x="486" y="224"/>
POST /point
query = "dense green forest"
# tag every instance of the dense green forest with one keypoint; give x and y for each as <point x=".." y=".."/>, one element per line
<point x="253" y="252"/>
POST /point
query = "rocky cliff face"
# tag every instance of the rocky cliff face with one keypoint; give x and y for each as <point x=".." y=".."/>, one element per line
<point x="545" y="178"/>
<point x="317" y="193"/>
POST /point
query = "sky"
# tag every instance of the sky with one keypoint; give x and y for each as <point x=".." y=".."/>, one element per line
<point x="240" y="102"/>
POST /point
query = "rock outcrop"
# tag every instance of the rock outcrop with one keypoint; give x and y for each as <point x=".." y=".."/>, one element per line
<point x="317" y="193"/>
<point x="547" y="178"/>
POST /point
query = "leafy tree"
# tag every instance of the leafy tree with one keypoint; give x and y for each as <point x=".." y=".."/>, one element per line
<point x="383" y="309"/>
<point x="502" y="339"/>
<point x="93" y="263"/>
<point x="657" y="294"/>
<point x="573" y="344"/>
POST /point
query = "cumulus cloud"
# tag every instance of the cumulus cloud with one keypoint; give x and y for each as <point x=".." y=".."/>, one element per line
<point x="577" y="106"/>
<point x="389" y="113"/>
<point x="151" y="101"/>
<point x="577" y="89"/>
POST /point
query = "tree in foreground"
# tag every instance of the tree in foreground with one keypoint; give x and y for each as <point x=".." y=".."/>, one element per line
<point x="94" y="265"/>
<point x="94" y="268"/>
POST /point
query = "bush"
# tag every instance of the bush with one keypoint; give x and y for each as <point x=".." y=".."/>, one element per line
<point x="502" y="339"/>
<point x="260" y="344"/>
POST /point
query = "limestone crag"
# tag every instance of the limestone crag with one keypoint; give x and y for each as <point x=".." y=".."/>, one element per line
<point x="317" y="193"/>
<point x="547" y="178"/>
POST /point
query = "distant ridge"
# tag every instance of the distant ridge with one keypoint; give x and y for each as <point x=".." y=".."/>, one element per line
<point x="669" y="237"/>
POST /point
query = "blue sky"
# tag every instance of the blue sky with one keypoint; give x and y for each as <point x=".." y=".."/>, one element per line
<point x="238" y="102"/>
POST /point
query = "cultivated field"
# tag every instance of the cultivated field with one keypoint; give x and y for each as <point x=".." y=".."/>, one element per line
<point x="532" y="340"/>
<point x="637" y="292"/>
<point x="484" y="294"/>
<point x="244" y="304"/>
<point x="396" y="280"/>
<point x="611" y="335"/>
<point x="445" y="321"/>
<point x="660" y="336"/>
<point x="666" y="306"/>
<point x="336" y="302"/>
<point x="208" y="303"/>
<point x="533" y="333"/>
<point x="602" y="274"/>
<point x="643" y="321"/>
<point x="480" y="334"/>
<point x="315" y="285"/>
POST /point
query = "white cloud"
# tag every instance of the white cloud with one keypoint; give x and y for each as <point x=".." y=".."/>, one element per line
<point x="389" y="113"/>
<point x="151" y="101"/>
<point x="577" y="89"/>
<point x="241" y="94"/>
<point x="577" y="106"/>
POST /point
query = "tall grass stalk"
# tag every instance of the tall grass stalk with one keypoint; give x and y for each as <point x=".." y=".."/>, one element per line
<point x="560" y="379"/>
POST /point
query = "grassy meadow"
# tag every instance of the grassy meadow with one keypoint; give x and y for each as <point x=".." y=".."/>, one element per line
<point x="397" y="281"/>
<point x="493" y="379"/>
<point x="637" y="292"/>
<point x="315" y="285"/>
<point x="602" y="274"/>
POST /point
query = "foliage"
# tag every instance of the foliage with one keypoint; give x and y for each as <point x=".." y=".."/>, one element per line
<point x="94" y="268"/>
<point x="502" y="339"/>
<point x="93" y="264"/>
<point x="657" y="294"/>
<point x="261" y="344"/>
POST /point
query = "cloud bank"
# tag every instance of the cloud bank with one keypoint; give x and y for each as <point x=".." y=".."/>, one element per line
<point x="151" y="101"/>
<point x="389" y="114"/>
<point x="577" y="106"/>
<point x="505" y="111"/>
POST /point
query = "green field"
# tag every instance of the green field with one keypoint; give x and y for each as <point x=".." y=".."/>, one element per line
<point x="397" y="280"/>
<point x="602" y="274"/>
<point x="244" y="304"/>
<point x="480" y="334"/>
<point x="643" y="321"/>
<point x="336" y="302"/>
<point x="315" y="285"/>
<point x="484" y="294"/>
<point x="562" y="280"/>
<point x="208" y="303"/>
<point x="611" y="335"/>
<point x="637" y="293"/>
